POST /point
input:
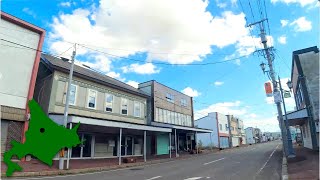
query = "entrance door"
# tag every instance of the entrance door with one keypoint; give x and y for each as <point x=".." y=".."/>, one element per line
<point x="87" y="145"/>
<point x="127" y="146"/>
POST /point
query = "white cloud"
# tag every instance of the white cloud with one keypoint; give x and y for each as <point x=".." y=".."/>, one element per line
<point x="234" y="2"/>
<point x="301" y="2"/>
<point x="65" y="4"/>
<point x="115" y="76"/>
<point x="284" y="22"/>
<point x="232" y="108"/>
<point x="218" y="83"/>
<point x="29" y="12"/>
<point x="301" y="24"/>
<point x="282" y="39"/>
<point x="191" y="92"/>
<point x="238" y="62"/>
<point x="99" y="62"/>
<point x="147" y="68"/>
<point x="133" y="83"/>
<point x="267" y="124"/>
<point x="222" y="5"/>
<point x="185" y="27"/>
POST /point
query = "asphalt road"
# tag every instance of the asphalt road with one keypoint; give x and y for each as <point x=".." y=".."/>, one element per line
<point x="260" y="161"/>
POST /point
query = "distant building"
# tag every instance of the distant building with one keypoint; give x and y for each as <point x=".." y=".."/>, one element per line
<point x="218" y="122"/>
<point x="250" y="135"/>
<point x="257" y="135"/>
<point x="234" y="131"/>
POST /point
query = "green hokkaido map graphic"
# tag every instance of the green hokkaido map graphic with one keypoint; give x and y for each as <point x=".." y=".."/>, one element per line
<point x="44" y="139"/>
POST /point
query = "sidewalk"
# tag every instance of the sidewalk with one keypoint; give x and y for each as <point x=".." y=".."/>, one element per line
<point x="37" y="168"/>
<point x="305" y="165"/>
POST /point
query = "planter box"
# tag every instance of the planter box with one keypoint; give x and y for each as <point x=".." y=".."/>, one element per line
<point x="129" y="160"/>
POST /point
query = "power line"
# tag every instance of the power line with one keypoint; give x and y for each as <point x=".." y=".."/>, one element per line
<point x="160" y="63"/>
<point x="265" y="11"/>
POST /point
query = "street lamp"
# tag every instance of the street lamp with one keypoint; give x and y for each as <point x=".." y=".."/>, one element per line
<point x="263" y="67"/>
<point x="289" y="84"/>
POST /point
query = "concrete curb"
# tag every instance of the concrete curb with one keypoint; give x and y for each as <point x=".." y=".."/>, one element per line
<point x="284" y="173"/>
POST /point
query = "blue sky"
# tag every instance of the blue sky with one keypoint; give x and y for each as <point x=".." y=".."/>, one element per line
<point x="157" y="35"/>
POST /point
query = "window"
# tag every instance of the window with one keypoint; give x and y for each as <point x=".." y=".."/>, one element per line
<point x="109" y="103"/>
<point x="124" y="106"/>
<point x="160" y="115"/>
<point x="189" y="121"/>
<point x="220" y="127"/>
<point x="137" y="109"/>
<point x="170" y="97"/>
<point x="183" y="102"/>
<point x="92" y="99"/>
<point x="73" y="94"/>
<point x="226" y="127"/>
<point x="157" y="115"/>
<point x="165" y="117"/>
<point x="183" y="119"/>
<point x="177" y="118"/>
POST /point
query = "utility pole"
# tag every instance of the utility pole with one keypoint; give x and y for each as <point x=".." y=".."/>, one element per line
<point x="267" y="52"/>
<point x="66" y="108"/>
<point x="289" y="138"/>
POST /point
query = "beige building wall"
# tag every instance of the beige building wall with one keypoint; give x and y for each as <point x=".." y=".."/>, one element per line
<point x="58" y="95"/>
<point x="160" y="100"/>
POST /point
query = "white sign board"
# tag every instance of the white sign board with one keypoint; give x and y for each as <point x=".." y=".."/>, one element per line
<point x="277" y="97"/>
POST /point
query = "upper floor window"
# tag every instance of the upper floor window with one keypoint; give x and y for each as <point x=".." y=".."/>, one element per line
<point x="137" y="109"/>
<point x="92" y="99"/>
<point x="226" y="127"/>
<point x="220" y="127"/>
<point x="73" y="94"/>
<point x="124" y="106"/>
<point x="183" y="102"/>
<point x="109" y="103"/>
<point x="170" y="97"/>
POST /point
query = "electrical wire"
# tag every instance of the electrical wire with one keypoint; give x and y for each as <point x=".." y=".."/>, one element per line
<point x="266" y="14"/>
<point x="169" y="64"/>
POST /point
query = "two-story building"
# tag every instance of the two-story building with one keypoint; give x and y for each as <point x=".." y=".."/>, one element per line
<point x="234" y="131"/>
<point x="305" y="86"/>
<point x="18" y="72"/>
<point x="219" y="137"/>
<point x="241" y="131"/>
<point x="113" y="115"/>
<point x="172" y="109"/>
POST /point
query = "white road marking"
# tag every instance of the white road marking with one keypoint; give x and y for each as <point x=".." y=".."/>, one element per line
<point x="156" y="177"/>
<point x="193" y="178"/>
<point x="264" y="165"/>
<point x="213" y="161"/>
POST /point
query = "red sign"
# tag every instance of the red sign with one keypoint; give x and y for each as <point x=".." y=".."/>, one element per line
<point x="268" y="88"/>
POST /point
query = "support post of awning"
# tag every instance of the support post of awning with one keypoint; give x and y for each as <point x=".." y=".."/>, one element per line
<point x="175" y="142"/>
<point x="120" y="137"/>
<point x="170" y="144"/>
<point x="196" y="139"/>
<point x="145" y="146"/>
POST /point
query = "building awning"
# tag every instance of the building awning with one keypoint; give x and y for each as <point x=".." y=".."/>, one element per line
<point x="99" y="122"/>
<point x="198" y="130"/>
<point x="297" y="117"/>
